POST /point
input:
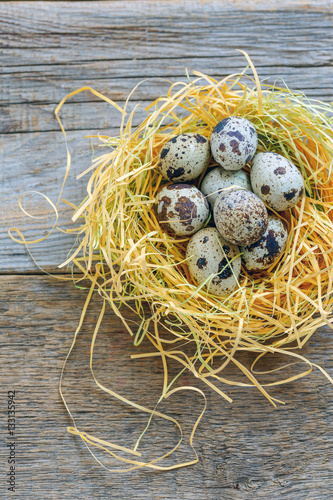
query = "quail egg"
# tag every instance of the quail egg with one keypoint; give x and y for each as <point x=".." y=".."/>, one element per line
<point x="208" y="255"/>
<point x="264" y="252"/>
<point x="219" y="179"/>
<point x="184" y="157"/>
<point x="240" y="217"/>
<point x="234" y="141"/>
<point x="276" y="181"/>
<point x="181" y="209"/>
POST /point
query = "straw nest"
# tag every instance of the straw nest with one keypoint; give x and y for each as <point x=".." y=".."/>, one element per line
<point x="131" y="262"/>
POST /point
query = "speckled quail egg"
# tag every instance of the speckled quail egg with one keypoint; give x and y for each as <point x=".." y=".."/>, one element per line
<point x="181" y="209"/>
<point x="234" y="141"/>
<point x="219" y="179"/>
<point x="264" y="252"/>
<point x="184" y="157"/>
<point x="276" y="181"/>
<point x="208" y="255"/>
<point x="240" y="217"/>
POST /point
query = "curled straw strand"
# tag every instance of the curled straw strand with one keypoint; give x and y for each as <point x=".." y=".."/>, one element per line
<point x="131" y="261"/>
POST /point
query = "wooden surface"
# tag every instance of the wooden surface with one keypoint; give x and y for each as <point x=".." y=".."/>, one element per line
<point x="248" y="450"/>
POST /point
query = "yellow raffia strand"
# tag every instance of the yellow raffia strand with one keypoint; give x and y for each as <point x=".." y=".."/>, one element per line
<point x="132" y="263"/>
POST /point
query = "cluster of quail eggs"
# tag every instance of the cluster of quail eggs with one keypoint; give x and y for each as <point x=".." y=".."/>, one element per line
<point x="244" y="228"/>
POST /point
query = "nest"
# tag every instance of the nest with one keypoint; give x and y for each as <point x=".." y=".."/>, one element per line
<point x="132" y="262"/>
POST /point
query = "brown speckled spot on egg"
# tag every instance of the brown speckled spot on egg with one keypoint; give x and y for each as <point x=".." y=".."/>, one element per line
<point x="220" y="126"/>
<point x="224" y="272"/>
<point x="272" y="246"/>
<point x="235" y="147"/>
<point x="163" y="213"/>
<point x="201" y="263"/>
<point x="175" y="172"/>
<point x="222" y="147"/>
<point x="186" y="209"/>
<point x="166" y="203"/>
<point x="205" y="239"/>
<point x="236" y="134"/>
<point x="178" y="186"/>
<point x="164" y="152"/>
<point x="290" y="195"/>
<point x="265" y="189"/>
<point x="280" y="171"/>
<point x="257" y="244"/>
<point x="301" y="192"/>
<point x="199" y="138"/>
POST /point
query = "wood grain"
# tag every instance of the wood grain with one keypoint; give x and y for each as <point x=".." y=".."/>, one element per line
<point x="248" y="450"/>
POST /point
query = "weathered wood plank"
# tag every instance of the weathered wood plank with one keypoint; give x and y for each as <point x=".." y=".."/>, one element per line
<point x="182" y="29"/>
<point x="37" y="162"/>
<point x="78" y="116"/>
<point x="42" y="89"/>
<point x="247" y="449"/>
